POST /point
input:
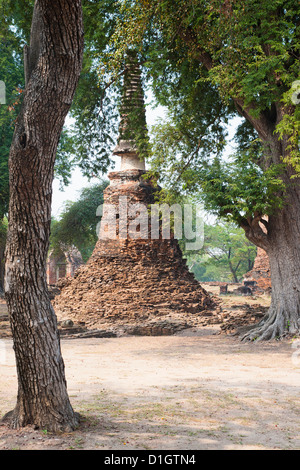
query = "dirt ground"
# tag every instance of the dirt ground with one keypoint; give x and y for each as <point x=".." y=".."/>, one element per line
<point x="199" y="389"/>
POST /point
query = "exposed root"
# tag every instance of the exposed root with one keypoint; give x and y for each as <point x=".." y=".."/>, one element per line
<point x="276" y="325"/>
<point x="7" y="418"/>
<point x="15" y="420"/>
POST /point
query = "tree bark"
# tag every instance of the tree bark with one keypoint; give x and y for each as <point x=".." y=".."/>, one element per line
<point x="53" y="69"/>
<point x="280" y="238"/>
<point x="2" y="263"/>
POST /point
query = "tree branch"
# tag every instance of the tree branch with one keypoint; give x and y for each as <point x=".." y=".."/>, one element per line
<point x="254" y="231"/>
<point x="263" y="124"/>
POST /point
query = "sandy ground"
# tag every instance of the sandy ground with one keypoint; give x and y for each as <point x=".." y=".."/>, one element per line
<point x="195" y="390"/>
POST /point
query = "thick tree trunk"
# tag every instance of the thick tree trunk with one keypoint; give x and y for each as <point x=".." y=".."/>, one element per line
<point x="281" y="241"/>
<point x="2" y="269"/>
<point x="53" y="69"/>
<point x="283" y="317"/>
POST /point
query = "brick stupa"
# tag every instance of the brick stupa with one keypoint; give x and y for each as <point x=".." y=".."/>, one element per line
<point x="260" y="273"/>
<point x="132" y="281"/>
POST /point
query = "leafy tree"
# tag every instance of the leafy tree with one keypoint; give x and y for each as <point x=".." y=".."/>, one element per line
<point x="242" y="57"/>
<point x="78" y="221"/>
<point x="226" y="254"/>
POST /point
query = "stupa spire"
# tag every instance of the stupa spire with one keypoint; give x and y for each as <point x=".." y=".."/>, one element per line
<point x="133" y="136"/>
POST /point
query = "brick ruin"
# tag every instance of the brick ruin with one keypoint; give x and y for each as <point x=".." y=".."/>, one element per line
<point x="129" y="280"/>
<point x="62" y="263"/>
<point x="259" y="276"/>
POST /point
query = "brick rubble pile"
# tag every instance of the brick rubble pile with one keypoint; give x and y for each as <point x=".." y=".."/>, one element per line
<point x="147" y="281"/>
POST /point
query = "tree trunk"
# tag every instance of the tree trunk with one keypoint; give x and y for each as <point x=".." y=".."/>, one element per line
<point x="281" y="240"/>
<point x="2" y="263"/>
<point x="234" y="271"/>
<point x="52" y="73"/>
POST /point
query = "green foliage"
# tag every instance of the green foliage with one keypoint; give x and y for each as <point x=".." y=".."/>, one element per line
<point x="78" y="221"/>
<point x="226" y="254"/>
<point x="11" y="72"/>
<point x="252" y="44"/>
<point x="200" y="58"/>
<point x="239" y="189"/>
<point x="95" y="106"/>
<point x="3" y="231"/>
<point x="209" y="61"/>
<point x="16" y="16"/>
<point x="234" y="187"/>
<point x="15" y="25"/>
<point x="88" y="145"/>
<point x="289" y="126"/>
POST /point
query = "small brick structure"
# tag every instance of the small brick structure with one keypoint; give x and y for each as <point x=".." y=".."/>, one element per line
<point x="223" y="288"/>
<point x="62" y="263"/>
<point x="260" y="274"/>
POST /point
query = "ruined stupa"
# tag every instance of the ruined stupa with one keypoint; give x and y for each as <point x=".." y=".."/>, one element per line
<point x="62" y="262"/>
<point x="260" y="274"/>
<point x="131" y="277"/>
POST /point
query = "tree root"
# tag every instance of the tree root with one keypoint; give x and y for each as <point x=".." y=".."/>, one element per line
<point x="277" y="324"/>
<point x="14" y="420"/>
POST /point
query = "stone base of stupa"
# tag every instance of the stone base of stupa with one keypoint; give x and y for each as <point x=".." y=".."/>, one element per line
<point x="130" y="282"/>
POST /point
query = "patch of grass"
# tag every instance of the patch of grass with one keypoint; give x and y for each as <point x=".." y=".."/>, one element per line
<point x="78" y="444"/>
<point x="156" y="411"/>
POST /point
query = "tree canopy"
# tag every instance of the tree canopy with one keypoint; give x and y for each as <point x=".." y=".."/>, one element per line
<point x="208" y="62"/>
